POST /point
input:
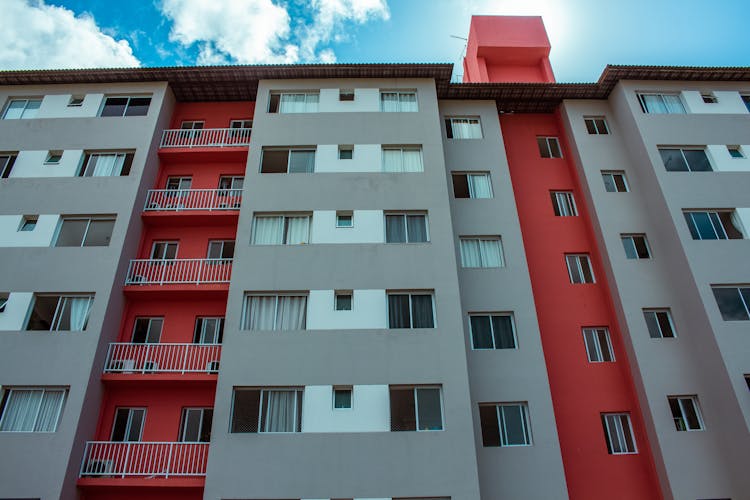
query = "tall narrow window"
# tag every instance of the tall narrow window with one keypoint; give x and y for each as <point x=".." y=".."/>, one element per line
<point x="208" y="330"/>
<point x="596" y="125"/>
<point x="6" y="164"/>
<point x="636" y="246"/>
<point x="274" y="312"/>
<point x="406" y="228"/>
<point x="402" y="159"/>
<point x="615" y="182"/>
<point x="484" y="251"/>
<point x="733" y="302"/>
<point x="416" y="408"/>
<point x="472" y="185"/>
<point x="126" y="106"/>
<point x="686" y="413"/>
<point x="661" y="103"/>
<point x="463" y="128"/>
<point x="128" y="424"/>
<point x="505" y="424"/>
<point x="492" y="331"/>
<point x="21" y="108"/>
<point x="281" y="229"/>
<point x="714" y="225"/>
<point x="36" y="409"/>
<point x="85" y="231"/>
<point x="618" y="433"/>
<point x="195" y="425"/>
<point x="398" y="101"/>
<point x="60" y="312"/>
<point x="563" y="203"/>
<point x="659" y="323"/>
<point x="579" y="269"/>
<point x="147" y="330"/>
<point x="410" y="310"/>
<point x="598" y="345"/>
<point x="267" y="410"/>
<point x="106" y="164"/>
<point x="685" y="159"/>
<point x="549" y="147"/>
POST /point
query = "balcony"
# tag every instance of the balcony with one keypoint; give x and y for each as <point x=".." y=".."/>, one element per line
<point x="228" y="144"/>
<point x="192" y="206"/>
<point x="165" y="275"/>
<point x="175" y="362"/>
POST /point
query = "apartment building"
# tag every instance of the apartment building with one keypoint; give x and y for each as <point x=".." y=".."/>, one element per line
<point x="368" y="282"/>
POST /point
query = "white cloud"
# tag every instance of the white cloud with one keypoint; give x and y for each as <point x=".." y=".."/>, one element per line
<point x="260" y="31"/>
<point x="40" y="36"/>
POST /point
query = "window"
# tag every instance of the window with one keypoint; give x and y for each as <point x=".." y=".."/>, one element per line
<point x="463" y="128"/>
<point x="22" y="108"/>
<point x="579" y="269"/>
<point x="195" y="425"/>
<point x="686" y="413"/>
<point x="288" y="102"/>
<point x="28" y="223"/>
<point x="505" y="424"/>
<point x="402" y="159"/>
<point x="714" y="225"/>
<point x="485" y="251"/>
<point x="398" y="101"/>
<point x="346" y="152"/>
<point x="406" y="228"/>
<point x="208" y="330"/>
<point x="735" y="151"/>
<point x="281" y="229"/>
<point x="549" y="147"/>
<point x="164" y="250"/>
<point x="596" y="125"/>
<point x="733" y="302"/>
<point x="410" y="310"/>
<point x="661" y="103"/>
<point x="598" y="345"/>
<point x="659" y="323"/>
<point x="128" y="424"/>
<point x="179" y="184"/>
<point x="746" y="100"/>
<point x="416" y="408"/>
<point x="343" y="300"/>
<point x="342" y="398"/>
<point x="267" y="410"/>
<point x="125" y="106"/>
<point x="614" y="182"/>
<point x="31" y="409"/>
<point x="85" y="232"/>
<point x="563" y="203"/>
<point x="618" y="433"/>
<point x="241" y="130"/>
<point x="492" y="331"/>
<point x="274" y="312"/>
<point x="230" y="182"/>
<point x="346" y="95"/>
<point x="191" y="125"/>
<point x="685" y="160"/>
<point x="53" y="157"/>
<point x="106" y="164"/>
<point x="6" y="164"/>
<point x="472" y="185"/>
<point x="76" y="101"/>
<point x="636" y="246"/>
<point x="3" y="301"/>
<point x="60" y="312"/>
<point x="221" y="249"/>
<point x="709" y="98"/>
<point x="286" y="160"/>
<point x="147" y="330"/>
<point x="344" y="219"/>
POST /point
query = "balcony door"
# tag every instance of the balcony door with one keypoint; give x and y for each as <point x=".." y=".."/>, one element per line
<point x="128" y="424"/>
<point x="164" y="250"/>
<point x="208" y="330"/>
<point x="147" y="330"/>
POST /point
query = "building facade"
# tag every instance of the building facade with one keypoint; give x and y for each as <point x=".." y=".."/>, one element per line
<point x="367" y="282"/>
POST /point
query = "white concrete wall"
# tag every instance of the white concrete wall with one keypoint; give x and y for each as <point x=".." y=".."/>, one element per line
<point x="368" y="311"/>
<point x="727" y="102"/>
<point x="31" y="164"/>
<point x="370" y="411"/>
<point x="56" y="106"/>
<point x="365" y="100"/>
<point x="41" y="236"/>
<point x="723" y="162"/>
<point x="368" y="226"/>
<point x="365" y="158"/>
<point x="744" y="215"/>
<point x="15" y="310"/>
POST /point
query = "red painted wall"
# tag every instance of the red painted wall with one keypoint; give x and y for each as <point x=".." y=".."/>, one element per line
<point x="179" y="317"/>
<point x="205" y="175"/>
<point x="581" y="390"/>
<point x="214" y="114"/>
<point x="193" y="240"/>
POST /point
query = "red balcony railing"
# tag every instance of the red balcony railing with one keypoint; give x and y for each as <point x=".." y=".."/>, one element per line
<point x="177" y="200"/>
<point x="178" y="271"/>
<point x="144" y="459"/>
<point x="205" y="138"/>
<point x="162" y="358"/>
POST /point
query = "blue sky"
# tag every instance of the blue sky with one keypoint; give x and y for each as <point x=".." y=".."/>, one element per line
<point x="585" y="34"/>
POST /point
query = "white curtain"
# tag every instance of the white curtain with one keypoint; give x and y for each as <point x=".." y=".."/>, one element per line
<point x="491" y="252"/>
<point x="464" y="128"/>
<point x="281" y="415"/>
<point x="389" y="101"/>
<point x="79" y="312"/>
<point x="470" y="256"/>
<point x="107" y="165"/>
<point x="408" y="101"/>
<point x="392" y="160"/>
<point x="21" y="410"/>
<point x="653" y="103"/>
<point x="292" y="103"/>
<point x="268" y="231"/>
<point x="48" y="411"/>
<point x="673" y="104"/>
<point x="479" y="186"/>
<point x="298" y="230"/>
<point x="311" y="103"/>
<point x="290" y="313"/>
<point x="412" y="160"/>
<point x="260" y="312"/>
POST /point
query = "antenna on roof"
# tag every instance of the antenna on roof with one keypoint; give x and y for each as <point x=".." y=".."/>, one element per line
<point x="459" y="37"/>
<point x="458" y="77"/>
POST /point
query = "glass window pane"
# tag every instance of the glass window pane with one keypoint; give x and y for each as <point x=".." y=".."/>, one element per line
<point x="398" y="311"/>
<point x="575" y="275"/>
<point x="71" y="233"/>
<point x="42" y="312"/>
<point x="136" y="424"/>
<point x="416" y="228"/>
<point x="652" y="324"/>
<point x="403" y="409"/>
<point x="395" y="229"/>
<point x="730" y="304"/>
<point x="421" y="307"/>
<point x="490" y="428"/>
<point x="301" y="161"/>
<point x="664" y="324"/>
<point x="502" y="329"/>
<point x="481" y="332"/>
<point x="629" y="244"/>
<point x="274" y="161"/>
<point x="429" y="409"/>
<point x="697" y="160"/>
<point x="609" y="183"/>
<point x="15" y="110"/>
<point x="114" y="106"/>
<point x="138" y="106"/>
<point x="191" y="425"/>
<point x="342" y="398"/>
<point x="99" y="233"/>
<point x="514" y="425"/>
<point x="673" y="160"/>
<point x="245" y="410"/>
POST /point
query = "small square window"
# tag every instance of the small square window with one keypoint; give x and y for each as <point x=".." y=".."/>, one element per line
<point x="615" y="182"/>
<point x="342" y="398"/>
<point x="596" y="125"/>
<point x="636" y="246"/>
<point x="53" y="157"/>
<point x="709" y="98"/>
<point x="549" y="147"/>
<point x="28" y="223"/>
<point x="3" y="301"/>
<point x="344" y="300"/>
<point x="344" y="219"/>
<point x="346" y="95"/>
<point x="735" y="152"/>
<point x="75" y="101"/>
<point x="659" y="323"/>
<point x="686" y="413"/>
<point x="346" y="152"/>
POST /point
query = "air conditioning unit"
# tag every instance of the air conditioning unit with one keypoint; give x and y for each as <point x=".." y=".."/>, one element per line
<point x="212" y="366"/>
<point x="99" y="468"/>
<point x="137" y="279"/>
<point x="122" y="365"/>
<point x="150" y="367"/>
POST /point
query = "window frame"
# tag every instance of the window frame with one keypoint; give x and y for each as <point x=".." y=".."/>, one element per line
<point x="7" y="167"/>
<point x="414" y="389"/>
<point x="631" y="238"/>
<point x="343" y="293"/>
<point x="615" y="174"/>
<point x="682" y="150"/>
<point x="298" y="407"/>
<point x="150" y="320"/>
<point x="89" y="219"/>
<point x="411" y="326"/>
<point x="200" y="330"/>
<point x="489" y="315"/>
<point x="6" y="392"/>
<point x="400" y="93"/>
<point x="285" y="227"/>
<point x="183" y="423"/>
<point x="482" y="256"/>
<point x="715" y="217"/>
<point x="167" y="245"/>
<point x="348" y="388"/>
<point x="621" y="439"/>
<point x="740" y="154"/>
<point x="124" y="114"/>
<point x="274" y="105"/>
<point x="28" y="223"/>
<point x="405" y="215"/>
<point x="4" y="298"/>
<point x="598" y="355"/>
<point x="344" y="214"/>
<point x="548" y="142"/>
<point x="401" y="149"/>
<point x="744" y="302"/>
<point x="128" y="425"/>
<point x="127" y="163"/>
<point x="655" y="311"/>
<point x="578" y="257"/>
<point x="644" y="106"/>
<point x="595" y="122"/>
<point x="450" y="132"/>
<point x="289" y="150"/>
<point x="683" y="418"/>
<point x="245" y="318"/>
<point x="502" y="428"/>
<point x="469" y="188"/>
<point x="57" y="315"/>
<point x="27" y="101"/>
<point x="223" y="244"/>
<point x="568" y="203"/>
